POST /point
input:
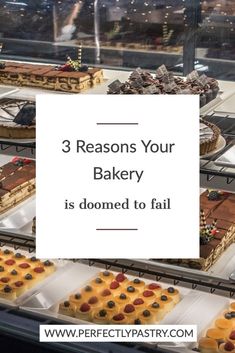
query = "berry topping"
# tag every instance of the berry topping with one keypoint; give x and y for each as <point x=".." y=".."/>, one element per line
<point x="118" y="317"/>
<point x="120" y="277"/>
<point x="39" y="269"/>
<point x="164" y="298"/>
<point x="98" y="280"/>
<point x="93" y="300"/>
<point x="129" y="308"/>
<point x="10" y="262"/>
<point x="7" y="289"/>
<point x="232" y="335"/>
<point x="228" y="316"/>
<point x="88" y="289"/>
<point x="171" y="290"/>
<point x="137" y="322"/>
<point x="130" y="289"/>
<point x="138" y="301"/>
<point x="148" y="293"/>
<point x="233" y="314"/>
<point x="77" y="296"/>
<point x="229" y="347"/>
<point x="18" y="255"/>
<point x="66" y="303"/>
<point x="33" y="258"/>
<point x="5" y="279"/>
<point x="114" y="285"/>
<point x="155" y="305"/>
<point x="19" y="283"/>
<point x="47" y="263"/>
<point x="7" y="252"/>
<point x="102" y="313"/>
<point x="2" y="269"/>
<point x="153" y="286"/>
<point x="122" y="296"/>
<point x="14" y="273"/>
<point x="105" y="293"/>
<point x="106" y="273"/>
<point x="24" y="265"/>
<point x="146" y="313"/>
<point x="28" y="276"/>
<point x="137" y="281"/>
<point x="84" y="307"/>
<point x="111" y="304"/>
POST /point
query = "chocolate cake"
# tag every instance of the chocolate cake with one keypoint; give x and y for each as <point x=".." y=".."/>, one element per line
<point x="217" y="229"/>
<point x="17" y="182"/>
<point x="59" y="78"/>
<point x="164" y="82"/>
<point x="209" y="135"/>
<point x="17" y="119"/>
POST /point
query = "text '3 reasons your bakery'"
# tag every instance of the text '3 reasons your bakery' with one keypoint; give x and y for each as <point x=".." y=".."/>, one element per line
<point x="145" y="146"/>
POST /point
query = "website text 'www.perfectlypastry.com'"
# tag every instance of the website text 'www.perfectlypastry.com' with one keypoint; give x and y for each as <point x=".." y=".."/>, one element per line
<point x="117" y="333"/>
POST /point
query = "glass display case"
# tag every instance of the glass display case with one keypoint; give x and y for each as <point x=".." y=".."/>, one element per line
<point x="182" y="34"/>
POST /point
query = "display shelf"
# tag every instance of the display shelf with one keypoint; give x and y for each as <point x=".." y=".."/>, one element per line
<point x="208" y="168"/>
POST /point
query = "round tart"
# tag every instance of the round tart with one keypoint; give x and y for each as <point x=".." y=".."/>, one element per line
<point x="119" y="319"/>
<point x="3" y="271"/>
<point x="30" y="280"/>
<point x="98" y="284"/>
<point x="139" y="304"/>
<point x="77" y="299"/>
<point x="39" y="272"/>
<point x="23" y="268"/>
<point x="34" y="262"/>
<point x="6" y="254"/>
<point x="216" y="334"/>
<point x="172" y="293"/>
<point x="148" y="296"/>
<point x="167" y="302"/>
<point x="158" y="310"/>
<point x="131" y="292"/>
<point x="49" y="267"/>
<point x="121" y="278"/>
<point x="155" y="288"/>
<point x="209" y="135"/>
<point x="225" y="325"/>
<point x="115" y="288"/>
<point x="101" y="316"/>
<point x="231" y="337"/>
<point x="7" y="292"/>
<point x="88" y="292"/>
<point x="122" y="299"/>
<point x="129" y="311"/>
<point x="230" y="315"/>
<point x="232" y="306"/>
<point x="9" y="264"/>
<point x="112" y="307"/>
<point x="20" y="287"/>
<point x="227" y="347"/>
<point x="94" y="302"/>
<point x="106" y="294"/>
<point x="18" y="257"/>
<point x="106" y="276"/>
<point x="147" y="317"/>
<point x="137" y="283"/>
<point x="67" y="308"/>
<point x="84" y="312"/>
<point x="208" y="345"/>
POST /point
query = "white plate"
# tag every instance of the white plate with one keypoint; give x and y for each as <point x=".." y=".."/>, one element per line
<point x="220" y="145"/>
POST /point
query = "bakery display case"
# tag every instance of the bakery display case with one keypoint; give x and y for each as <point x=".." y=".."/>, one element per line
<point x="94" y="47"/>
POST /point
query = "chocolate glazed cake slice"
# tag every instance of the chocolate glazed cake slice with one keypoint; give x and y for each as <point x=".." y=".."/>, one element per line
<point x="17" y="182"/>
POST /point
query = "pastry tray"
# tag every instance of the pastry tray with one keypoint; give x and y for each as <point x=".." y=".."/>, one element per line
<point x="185" y="312"/>
<point x="61" y="266"/>
<point x="18" y="219"/>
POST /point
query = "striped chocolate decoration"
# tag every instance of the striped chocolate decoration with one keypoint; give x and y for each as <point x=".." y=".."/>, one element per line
<point x="202" y="220"/>
<point x="80" y="55"/>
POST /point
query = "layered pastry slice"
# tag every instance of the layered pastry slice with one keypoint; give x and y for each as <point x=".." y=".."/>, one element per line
<point x="17" y="182"/>
<point x="17" y="119"/>
<point x="70" y="77"/>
